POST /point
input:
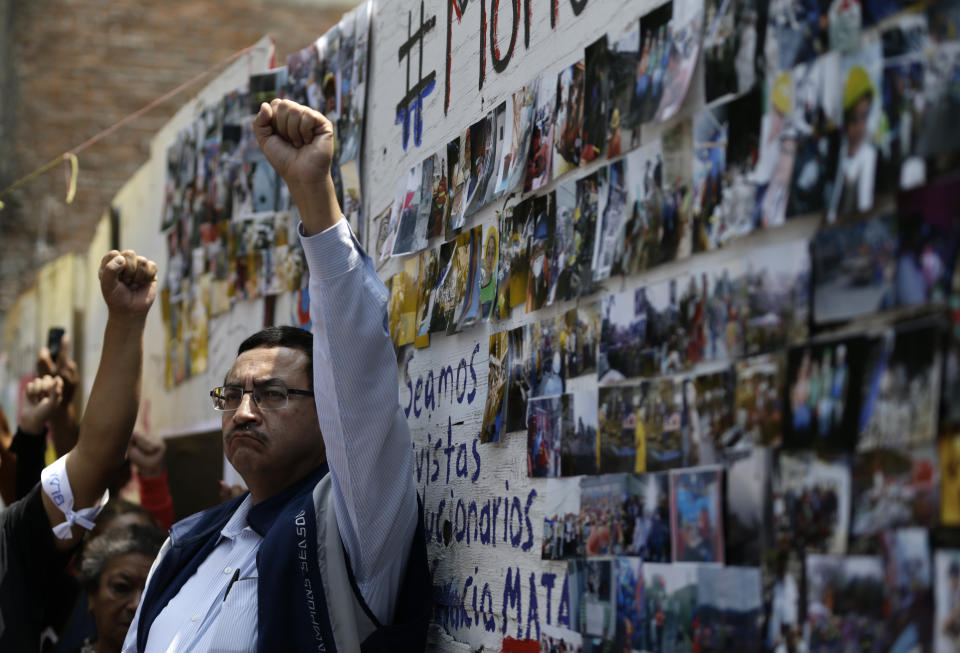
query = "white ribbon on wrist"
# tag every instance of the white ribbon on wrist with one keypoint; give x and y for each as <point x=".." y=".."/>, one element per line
<point x="56" y="485"/>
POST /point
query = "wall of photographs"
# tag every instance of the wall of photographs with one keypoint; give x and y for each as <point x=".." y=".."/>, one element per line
<point x="229" y="224"/>
<point x="674" y="299"/>
<point x="675" y="320"/>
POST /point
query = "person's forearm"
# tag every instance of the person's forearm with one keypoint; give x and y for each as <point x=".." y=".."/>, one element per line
<point x="111" y="409"/>
<point x="318" y="207"/>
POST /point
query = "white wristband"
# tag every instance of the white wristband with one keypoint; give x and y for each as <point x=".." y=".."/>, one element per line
<point x="56" y="485"/>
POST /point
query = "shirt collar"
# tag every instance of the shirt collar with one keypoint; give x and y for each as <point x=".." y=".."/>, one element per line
<point x="238" y="521"/>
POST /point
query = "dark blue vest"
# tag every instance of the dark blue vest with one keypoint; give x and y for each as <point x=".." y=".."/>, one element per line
<point x="285" y="621"/>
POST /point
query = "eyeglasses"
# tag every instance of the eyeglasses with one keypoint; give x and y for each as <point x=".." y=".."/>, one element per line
<point x="269" y="396"/>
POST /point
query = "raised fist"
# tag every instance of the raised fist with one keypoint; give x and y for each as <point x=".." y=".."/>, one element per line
<point x="128" y="282"/>
<point x="297" y="141"/>
<point x="42" y="397"/>
<point x="147" y="453"/>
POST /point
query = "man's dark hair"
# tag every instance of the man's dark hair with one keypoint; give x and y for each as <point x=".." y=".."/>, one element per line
<point x="282" y="336"/>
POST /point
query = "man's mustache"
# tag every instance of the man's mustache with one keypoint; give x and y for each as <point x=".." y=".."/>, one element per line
<point x="247" y="431"/>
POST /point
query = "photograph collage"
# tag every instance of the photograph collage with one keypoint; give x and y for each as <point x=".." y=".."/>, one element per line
<point x="229" y="222"/>
<point x="754" y="454"/>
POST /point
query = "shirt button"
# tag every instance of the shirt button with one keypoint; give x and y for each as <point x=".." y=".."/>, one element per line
<point x="228" y="570"/>
<point x="195" y="617"/>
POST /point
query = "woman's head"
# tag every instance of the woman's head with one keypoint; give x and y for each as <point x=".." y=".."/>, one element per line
<point x="113" y="572"/>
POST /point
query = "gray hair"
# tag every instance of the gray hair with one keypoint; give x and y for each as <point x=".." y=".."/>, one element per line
<point x="135" y="538"/>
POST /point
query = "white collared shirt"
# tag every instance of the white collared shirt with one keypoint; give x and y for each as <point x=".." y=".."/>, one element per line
<point x="204" y="616"/>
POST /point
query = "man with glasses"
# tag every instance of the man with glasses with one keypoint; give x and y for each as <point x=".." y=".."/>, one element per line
<point x="326" y="552"/>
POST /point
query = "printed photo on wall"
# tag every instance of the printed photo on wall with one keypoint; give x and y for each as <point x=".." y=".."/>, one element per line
<point x="440" y="192"/>
<point x="795" y="34"/>
<point x="494" y="411"/>
<point x="758" y="399"/>
<point x="352" y="199"/>
<point x="642" y="333"/>
<point x="621" y="443"/>
<point x="776" y="154"/>
<point x="929" y="232"/>
<point x="775" y="296"/>
<point x="782" y="575"/>
<point x="488" y="272"/>
<point x="458" y="165"/>
<point x="436" y="265"/>
<point x="518" y="128"/>
<point x="578" y="441"/>
<point x="560" y="510"/>
<point x="854" y="269"/>
<point x="479" y="158"/>
<point x="516" y="234"/>
<point x="266" y="86"/>
<point x="497" y="144"/>
<point x="540" y="154"/>
<point x="623" y="119"/>
<point x="938" y="141"/>
<point x="811" y="503"/>
<point x="543" y="263"/>
<point x="579" y="332"/>
<point x="683" y="50"/>
<point x="846" y="601"/>
<point x="902" y="102"/>
<point x="544" y="428"/>
<point x="726" y="141"/>
<point x="676" y="241"/>
<point x="403" y="304"/>
<point x="609" y="241"/>
<point x="901" y="388"/>
<point x="518" y="385"/>
<point x="654" y="59"/>
<point x="853" y="188"/>
<point x="596" y="89"/>
<point x="817" y="110"/>
<point x="411" y="233"/>
<point x="748" y="507"/>
<point x="712" y="436"/>
<point x="300" y="66"/>
<point x="587" y="212"/>
<point x="593" y="580"/>
<point x="729" y="609"/>
<point x="643" y="228"/>
<point x="823" y="396"/>
<point x="646" y="517"/>
<point x="466" y="279"/>
<point x="893" y="488"/>
<point x="632" y="621"/>
<point x="565" y="284"/>
<point x="909" y="583"/>
<point x="946" y="632"/>
<point x="696" y="515"/>
<point x="429" y="270"/>
<point x="601" y="512"/>
<point x="948" y="446"/>
<point x="355" y="28"/>
<point x="730" y="47"/>
<point x="670" y="601"/>
<point x="568" y="130"/>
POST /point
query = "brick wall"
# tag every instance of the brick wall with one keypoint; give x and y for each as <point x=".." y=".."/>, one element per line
<point x="71" y="68"/>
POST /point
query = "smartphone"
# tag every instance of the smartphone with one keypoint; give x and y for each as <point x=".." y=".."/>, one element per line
<point x="54" y="340"/>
